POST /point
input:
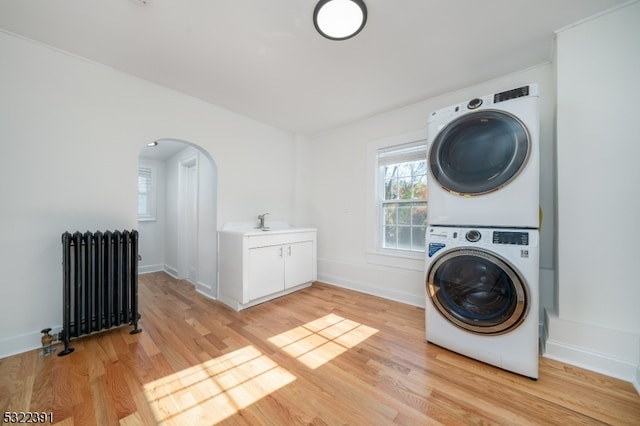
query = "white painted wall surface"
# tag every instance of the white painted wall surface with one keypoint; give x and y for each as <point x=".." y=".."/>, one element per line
<point x="70" y="135"/>
<point x="207" y="242"/>
<point x="152" y="233"/>
<point x="597" y="323"/>
<point x="339" y="202"/>
<point x="207" y="279"/>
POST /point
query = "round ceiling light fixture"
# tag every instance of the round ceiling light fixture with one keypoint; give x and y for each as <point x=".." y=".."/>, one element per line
<point x="339" y="19"/>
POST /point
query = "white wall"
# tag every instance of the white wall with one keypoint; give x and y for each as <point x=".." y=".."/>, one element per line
<point x="207" y="278"/>
<point x="597" y="323"/>
<point x="70" y="135"/>
<point x="207" y="243"/>
<point x="152" y="233"/>
<point x="339" y="202"/>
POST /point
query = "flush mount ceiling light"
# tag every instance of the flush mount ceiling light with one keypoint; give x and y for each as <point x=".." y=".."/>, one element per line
<point x="339" y="19"/>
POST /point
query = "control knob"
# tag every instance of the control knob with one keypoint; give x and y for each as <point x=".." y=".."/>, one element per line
<point x="474" y="103"/>
<point x="473" y="236"/>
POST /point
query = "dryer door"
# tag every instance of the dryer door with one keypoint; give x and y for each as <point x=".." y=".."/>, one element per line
<point x="477" y="291"/>
<point x="479" y="152"/>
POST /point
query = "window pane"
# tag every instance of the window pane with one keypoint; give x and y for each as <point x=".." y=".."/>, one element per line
<point x="391" y="189"/>
<point x="391" y="183"/>
<point x="390" y="216"/>
<point x="404" y="215"/>
<point x="418" y="238"/>
<point x="404" y="237"/>
<point x="390" y="237"/>
<point x="419" y="214"/>
<point x="142" y="204"/>
<point x="404" y="188"/>
<point x="146" y="193"/>
<point x="420" y="186"/>
<point x="405" y="170"/>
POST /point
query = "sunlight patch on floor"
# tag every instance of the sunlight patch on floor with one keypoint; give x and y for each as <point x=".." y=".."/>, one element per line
<point x="318" y="342"/>
<point x="214" y="390"/>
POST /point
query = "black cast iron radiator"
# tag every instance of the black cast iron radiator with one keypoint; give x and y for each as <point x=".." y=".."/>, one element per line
<point x="100" y="283"/>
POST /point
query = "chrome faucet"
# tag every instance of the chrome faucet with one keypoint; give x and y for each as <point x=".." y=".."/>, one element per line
<point x="261" y="221"/>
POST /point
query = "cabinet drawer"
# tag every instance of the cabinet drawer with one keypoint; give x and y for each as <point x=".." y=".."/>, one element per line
<point x="266" y="240"/>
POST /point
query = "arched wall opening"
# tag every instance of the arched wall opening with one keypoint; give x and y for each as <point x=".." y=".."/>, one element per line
<point x="177" y="212"/>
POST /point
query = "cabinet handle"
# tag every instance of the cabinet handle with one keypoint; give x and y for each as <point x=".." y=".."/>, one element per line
<point x="289" y="251"/>
<point x="280" y="251"/>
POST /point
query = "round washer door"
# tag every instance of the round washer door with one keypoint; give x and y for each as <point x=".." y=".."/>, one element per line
<point x="477" y="291"/>
<point x="479" y="152"/>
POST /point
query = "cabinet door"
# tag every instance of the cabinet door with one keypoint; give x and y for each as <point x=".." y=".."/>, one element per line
<point x="266" y="271"/>
<point x="298" y="263"/>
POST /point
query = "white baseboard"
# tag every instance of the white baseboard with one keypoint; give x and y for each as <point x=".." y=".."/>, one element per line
<point x="611" y="352"/>
<point x="207" y="295"/>
<point x="171" y="271"/>
<point x="394" y="283"/>
<point x="25" y="342"/>
<point x="203" y="286"/>
<point x="19" y="344"/>
<point x="206" y="290"/>
<point x="590" y="360"/>
<point x="387" y="293"/>
<point x="147" y="269"/>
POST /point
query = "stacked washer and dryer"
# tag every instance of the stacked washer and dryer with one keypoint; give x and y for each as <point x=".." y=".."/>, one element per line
<point x="482" y="290"/>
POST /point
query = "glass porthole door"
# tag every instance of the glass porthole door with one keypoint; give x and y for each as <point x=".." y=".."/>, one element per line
<point x="479" y="152"/>
<point x="477" y="291"/>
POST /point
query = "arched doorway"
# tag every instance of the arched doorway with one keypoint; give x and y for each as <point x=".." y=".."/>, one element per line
<point x="179" y="235"/>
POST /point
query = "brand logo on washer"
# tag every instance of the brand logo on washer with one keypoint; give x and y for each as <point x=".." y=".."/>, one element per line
<point x="524" y="253"/>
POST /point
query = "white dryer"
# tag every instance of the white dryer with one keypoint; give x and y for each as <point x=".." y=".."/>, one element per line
<point x="483" y="159"/>
<point x="482" y="295"/>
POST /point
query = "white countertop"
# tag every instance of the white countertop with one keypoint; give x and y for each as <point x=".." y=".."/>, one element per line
<point x="243" y="228"/>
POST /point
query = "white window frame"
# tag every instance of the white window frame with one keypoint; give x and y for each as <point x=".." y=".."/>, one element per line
<point x="148" y="172"/>
<point x="375" y="254"/>
<point x="397" y="155"/>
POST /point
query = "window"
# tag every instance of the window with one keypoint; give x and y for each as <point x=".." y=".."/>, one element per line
<point x="146" y="193"/>
<point x="402" y="192"/>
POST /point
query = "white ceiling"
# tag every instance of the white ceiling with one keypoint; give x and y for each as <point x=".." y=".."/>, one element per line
<point x="165" y="149"/>
<point x="264" y="59"/>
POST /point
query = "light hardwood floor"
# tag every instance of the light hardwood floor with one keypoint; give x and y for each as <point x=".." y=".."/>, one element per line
<point x="321" y="356"/>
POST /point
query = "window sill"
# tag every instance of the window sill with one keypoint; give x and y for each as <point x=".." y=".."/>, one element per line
<point x="146" y="219"/>
<point x="397" y="259"/>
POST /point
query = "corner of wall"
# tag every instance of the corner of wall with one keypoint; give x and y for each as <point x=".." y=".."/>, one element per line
<point x="171" y="271"/>
<point x="147" y="269"/>
<point x="636" y="383"/>
<point x="614" y="353"/>
<point x="543" y="328"/>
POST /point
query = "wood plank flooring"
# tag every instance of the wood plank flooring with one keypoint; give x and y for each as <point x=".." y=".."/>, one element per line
<point x="321" y="356"/>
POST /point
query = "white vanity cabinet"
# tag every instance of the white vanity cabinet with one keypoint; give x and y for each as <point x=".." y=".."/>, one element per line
<point x="256" y="266"/>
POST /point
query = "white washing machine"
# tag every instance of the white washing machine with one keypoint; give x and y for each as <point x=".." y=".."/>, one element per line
<point x="483" y="295"/>
<point x="484" y="166"/>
